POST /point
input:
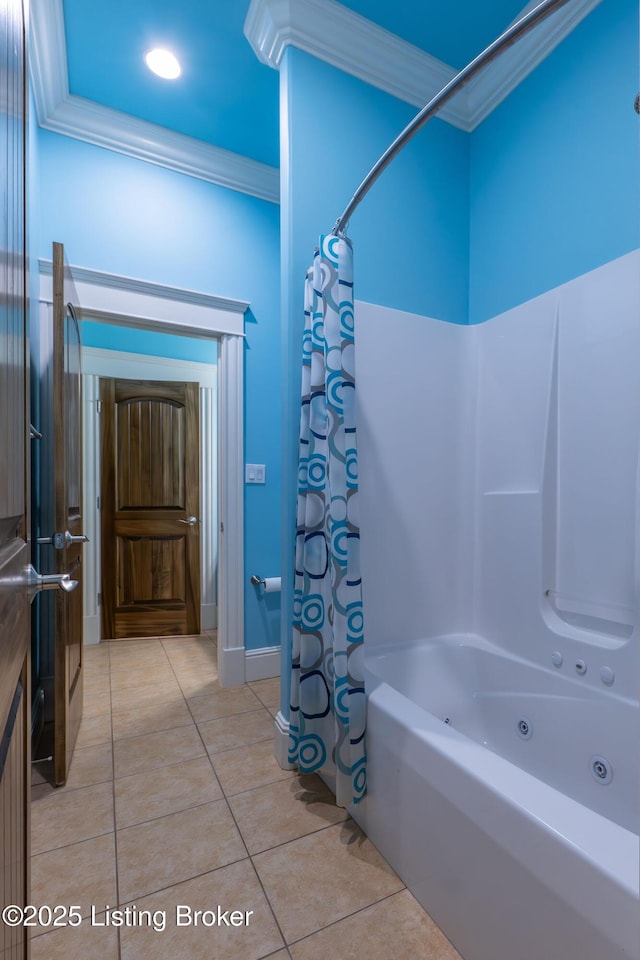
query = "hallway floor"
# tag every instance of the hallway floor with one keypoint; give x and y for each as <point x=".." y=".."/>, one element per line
<point x="175" y="798"/>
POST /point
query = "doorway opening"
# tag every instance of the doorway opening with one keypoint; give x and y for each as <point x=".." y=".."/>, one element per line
<point x="120" y="304"/>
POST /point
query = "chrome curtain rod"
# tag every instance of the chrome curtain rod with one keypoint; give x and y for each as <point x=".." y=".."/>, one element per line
<point x="506" y="39"/>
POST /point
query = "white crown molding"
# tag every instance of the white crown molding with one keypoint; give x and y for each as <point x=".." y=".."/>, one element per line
<point x="506" y="73"/>
<point x="62" y="112"/>
<point x="323" y="28"/>
<point x="331" y="32"/>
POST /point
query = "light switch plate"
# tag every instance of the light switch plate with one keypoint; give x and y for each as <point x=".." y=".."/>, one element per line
<point x="255" y="473"/>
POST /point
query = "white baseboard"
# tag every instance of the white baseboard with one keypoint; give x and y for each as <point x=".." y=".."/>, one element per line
<point x="262" y="664"/>
<point x="91" y="630"/>
<point x="231" y="667"/>
<point x="281" y="742"/>
<point x="209" y="616"/>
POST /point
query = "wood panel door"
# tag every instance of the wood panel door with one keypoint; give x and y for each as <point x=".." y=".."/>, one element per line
<point x="150" y="504"/>
<point x="14" y="471"/>
<point x="67" y="501"/>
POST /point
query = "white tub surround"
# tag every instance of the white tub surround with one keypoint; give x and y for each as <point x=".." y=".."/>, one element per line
<point x="502" y="593"/>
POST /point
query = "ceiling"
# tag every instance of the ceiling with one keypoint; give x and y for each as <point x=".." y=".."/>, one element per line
<point x="226" y="97"/>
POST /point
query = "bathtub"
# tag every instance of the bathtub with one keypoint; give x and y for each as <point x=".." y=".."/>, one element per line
<point x="505" y="796"/>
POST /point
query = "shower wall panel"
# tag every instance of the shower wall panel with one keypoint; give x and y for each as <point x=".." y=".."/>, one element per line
<point x="499" y="475"/>
<point x="413" y="468"/>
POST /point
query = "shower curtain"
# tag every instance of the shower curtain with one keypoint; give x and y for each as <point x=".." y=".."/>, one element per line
<point x="328" y="709"/>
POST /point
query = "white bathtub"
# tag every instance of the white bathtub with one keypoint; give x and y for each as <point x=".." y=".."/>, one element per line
<point x="509" y="841"/>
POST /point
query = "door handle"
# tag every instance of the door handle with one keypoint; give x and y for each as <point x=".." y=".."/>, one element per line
<point x="55" y="540"/>
<point x="48" y="581"/>
<point x="190" y="521"/>
<point x="71" y="539"/>
<point x="58" y="540"/>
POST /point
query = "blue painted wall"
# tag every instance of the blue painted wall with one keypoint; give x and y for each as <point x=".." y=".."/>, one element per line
<point x="411" y="234"/>
<point x="148" y="342"/>
<point x="555" y="190"/>
<point x="124" y="216"/>
<point x="460" y="227"/>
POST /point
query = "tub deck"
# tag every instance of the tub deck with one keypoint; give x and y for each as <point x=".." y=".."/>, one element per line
<point x="506" y="863"/>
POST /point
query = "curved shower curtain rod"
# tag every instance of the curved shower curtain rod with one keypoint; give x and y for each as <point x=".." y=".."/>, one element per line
<point x="506" y="39"/>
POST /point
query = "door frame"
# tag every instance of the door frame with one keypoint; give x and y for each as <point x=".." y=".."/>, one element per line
<point x="110" y="298"/>
<point x="97" y="363"/>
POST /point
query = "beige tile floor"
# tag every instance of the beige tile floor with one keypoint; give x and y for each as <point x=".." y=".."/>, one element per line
<point x="174" y="800"/>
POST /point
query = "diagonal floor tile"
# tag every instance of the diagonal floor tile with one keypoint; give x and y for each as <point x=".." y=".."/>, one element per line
<point x="156" y="750"/>
<point x="321" y="878"/>
<point x="227" y="703"/>
<point x="68" y="817"/>
<point x="165" y="790"/>
<point x="195" y="683"/>
<point x="95" y="703"/>
<point x="94" y="685"/>
<point x="176" y="647"/>
<point x="236" y="731"/>
<point x="138" y="676"/>
<point x="397" y="927"/>
<point x="89" y="765"/>
<point x="82" y="873"/>
<point x="267" y="691"/>
<point x="165" y="691"/>
<point x="235" y="887"/>
<point x="166" y="851"/>
<point x="139" y="660"/>
<point x="93" y="730"/>
<point x="142" y="718"/>
<point x="283" y="811"/>
<point x="86" y="941"/>
<point x="247" y="767"/>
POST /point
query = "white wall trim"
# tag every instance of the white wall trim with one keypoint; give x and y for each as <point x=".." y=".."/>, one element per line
<point x="262" y="664"/>
<point x="112" y="363"/>
<point x="333" y="33"/>
<point x="208" y="507"/>
<point x="230" y="449"/>
<point x="136" y="366"/>
<point x="208" y="615"/>
<point x="62" y="112"/>
<point x="281" y="742"/>
<point x="91" y="566"/>
<point x="231" y="535"/>
<point x="148" y="306"/>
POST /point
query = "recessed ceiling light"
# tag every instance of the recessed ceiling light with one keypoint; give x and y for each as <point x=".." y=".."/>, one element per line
<point x="163" y="63"/>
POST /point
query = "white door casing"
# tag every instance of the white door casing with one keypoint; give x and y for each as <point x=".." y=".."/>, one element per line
<point x="126" y="301"/>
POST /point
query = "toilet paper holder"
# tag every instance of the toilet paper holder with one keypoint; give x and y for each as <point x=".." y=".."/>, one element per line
<point x="270" y="584"/>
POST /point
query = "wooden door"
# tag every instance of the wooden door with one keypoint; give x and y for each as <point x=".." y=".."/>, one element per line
<point x="150" y="504"/>
<point x="67" y="500"/>
<point x="14" y="471"/>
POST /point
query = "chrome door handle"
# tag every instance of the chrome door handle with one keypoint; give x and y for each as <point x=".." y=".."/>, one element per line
<point x="48" y="581"/>
<point x="190" y="521"/>
<point x="55" y="540"/>
<point x="71" y="539"/>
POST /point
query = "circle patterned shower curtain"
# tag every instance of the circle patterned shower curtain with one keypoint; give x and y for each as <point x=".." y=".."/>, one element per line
<point x="328" y="707"/>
